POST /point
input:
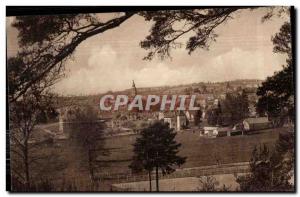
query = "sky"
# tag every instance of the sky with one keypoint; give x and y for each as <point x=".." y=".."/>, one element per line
<point x="110" y="61"/>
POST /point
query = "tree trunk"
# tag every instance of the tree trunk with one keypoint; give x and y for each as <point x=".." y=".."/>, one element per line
<point x="272" y="179"/>
<point x="157" y="183"/>
<point x="91" y="171"/>
<point x="26" y="164"/>
<point x="150" y="181"/>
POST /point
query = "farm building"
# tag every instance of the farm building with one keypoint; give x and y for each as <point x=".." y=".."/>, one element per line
<point x="251" y="124"/>
<point x="210" y="131"/>
<point x="216" y="131"/>
<point x="224" y="131"/>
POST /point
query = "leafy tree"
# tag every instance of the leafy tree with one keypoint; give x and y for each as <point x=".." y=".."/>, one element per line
<point x="210" y="184"/>
<point x="271" y="171"/>
<point x="211" y="117"/>
<point x="46" y="43"/>
<point x="219" y="114"/>
<point x="276" y="94"/>
<point x="214" y="115"/>
<point x="24" y="115"/>
<point x="282" y="40"/>
<point x="244" y="104"/>
<point x="237" y="106"/>
<point x="156" y="149"/>
<point x="23" y="118"/>
<point x="197" y="117"/>
<point x="199" y="24"/>
<point x="86" y="132"/>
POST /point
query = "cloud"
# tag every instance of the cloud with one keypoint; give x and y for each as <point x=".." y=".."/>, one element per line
<point x="107" y="69"/>
<point x="243" y="64"/>
<point x="110" y="61"/>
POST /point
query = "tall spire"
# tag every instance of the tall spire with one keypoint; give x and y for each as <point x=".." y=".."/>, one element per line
<point x="134" y="91"/>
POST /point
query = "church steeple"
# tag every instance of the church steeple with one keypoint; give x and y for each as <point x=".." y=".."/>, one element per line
<point x="134" y="91"/>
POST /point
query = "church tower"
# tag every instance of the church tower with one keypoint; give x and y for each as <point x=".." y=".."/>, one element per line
<point x="134" y="91"/>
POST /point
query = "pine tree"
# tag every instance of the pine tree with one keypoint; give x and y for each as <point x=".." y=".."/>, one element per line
<point x="244" y="105"/>
<point x="197" y="116"/>
<point x="277" y="93"/>
<point x="271" y="170"/>
<point x="156" y="149"/>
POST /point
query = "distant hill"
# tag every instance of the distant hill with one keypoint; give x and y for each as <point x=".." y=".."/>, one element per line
<point x="193" y="88"/>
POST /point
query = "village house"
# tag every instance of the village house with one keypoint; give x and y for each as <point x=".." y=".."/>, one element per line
<point x="176" y="119"/>
<point x="210" y="131"/>
<point x="252" y="124"/>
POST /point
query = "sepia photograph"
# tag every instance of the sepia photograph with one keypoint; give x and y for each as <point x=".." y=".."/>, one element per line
<point x="150" y="99"/>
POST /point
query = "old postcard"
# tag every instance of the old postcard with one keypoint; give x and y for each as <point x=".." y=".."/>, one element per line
<point x="150" y="99"/>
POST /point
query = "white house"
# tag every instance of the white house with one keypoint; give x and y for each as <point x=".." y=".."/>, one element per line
<point x="211" y="131"/>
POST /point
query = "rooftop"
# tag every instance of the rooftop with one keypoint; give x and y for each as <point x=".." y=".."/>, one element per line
<point x="257" y="120"/>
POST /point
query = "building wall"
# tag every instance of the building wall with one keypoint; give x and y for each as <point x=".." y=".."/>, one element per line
<point x="255" y="126"/>
<point x="246" y="125"/>
<point x="181" y="122"/>
<point x="169" y="120"/>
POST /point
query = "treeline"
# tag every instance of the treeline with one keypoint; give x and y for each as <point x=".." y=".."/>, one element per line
<point x="233" y="109"/>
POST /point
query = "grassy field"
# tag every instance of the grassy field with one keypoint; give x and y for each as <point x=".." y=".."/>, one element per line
<point x="199" y="151"/>
<point x="69" y="163"/>
<point x="179" y="184"/>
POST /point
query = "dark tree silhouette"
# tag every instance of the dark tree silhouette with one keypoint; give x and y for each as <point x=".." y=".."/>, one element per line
<point x="46" y="42"/>
<point x="156" y="149"/>
<point x="197" y="117"/>
<point x="23" y="117"/>
<point x="212" y="116"/>
<point x="200" y="23"/>
<point x="237" y="106"/>
<point x="24" y="114"/>
<point x="282" y="40"/>
<point x="271" y="170"/>
<point x="276" y="94"/>
<point x="86" y="132"/>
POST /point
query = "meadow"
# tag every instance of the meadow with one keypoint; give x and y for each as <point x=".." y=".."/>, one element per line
<point x="200" y="151"/>
<point x="68" y="163"/>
